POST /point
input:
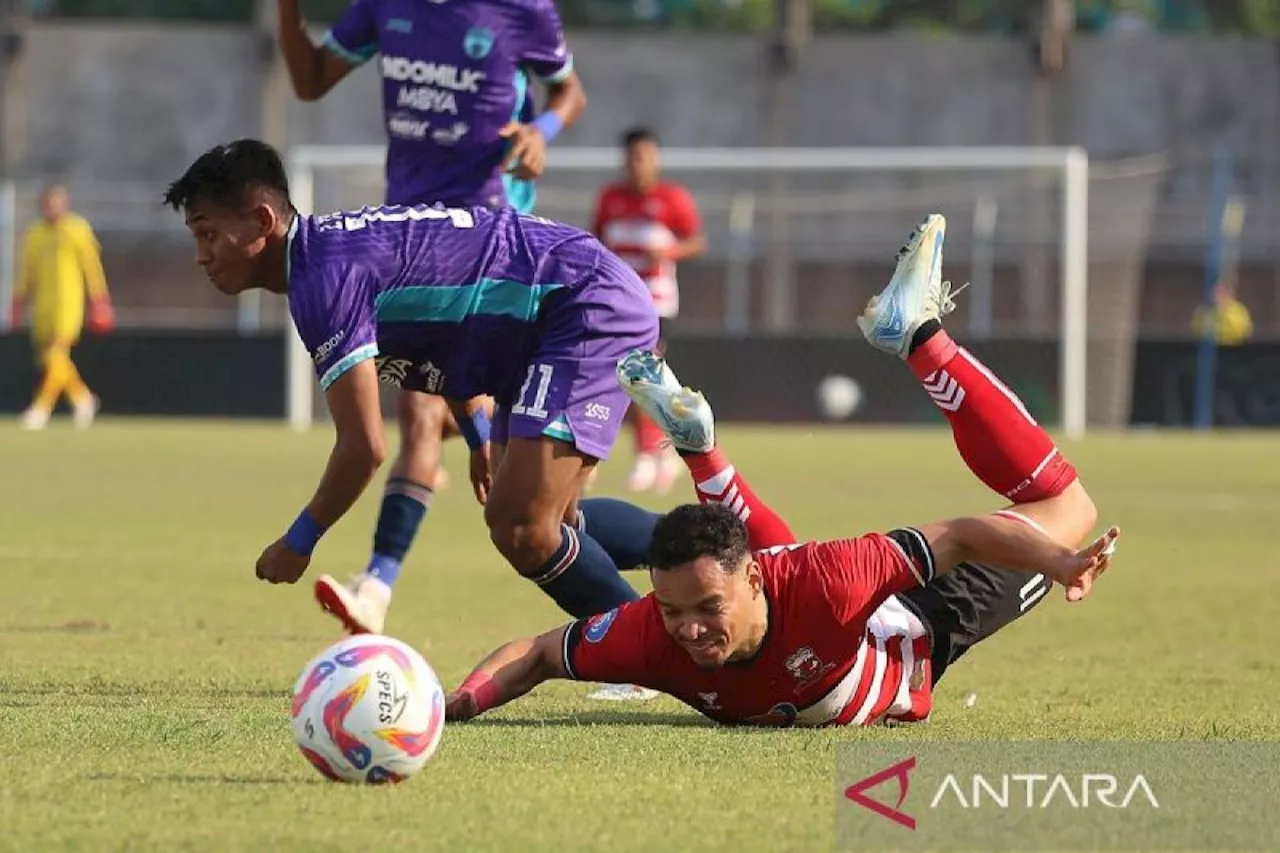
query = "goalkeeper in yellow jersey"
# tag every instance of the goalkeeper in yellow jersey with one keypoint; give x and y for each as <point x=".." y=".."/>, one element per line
<point x="58" y="265"/>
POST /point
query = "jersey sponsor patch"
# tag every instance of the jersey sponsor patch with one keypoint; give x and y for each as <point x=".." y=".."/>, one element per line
<point x="598" y="626"/>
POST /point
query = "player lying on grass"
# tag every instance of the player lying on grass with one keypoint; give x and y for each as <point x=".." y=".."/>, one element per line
<point x="455" y="302"/>
<point x="851" y="631"/>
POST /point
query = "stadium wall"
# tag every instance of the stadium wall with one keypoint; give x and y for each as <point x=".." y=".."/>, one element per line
<point x="99" y="102"/>
<point x="773" y="380"/>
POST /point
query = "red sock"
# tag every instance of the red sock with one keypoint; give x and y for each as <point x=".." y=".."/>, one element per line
<point x="998" y="439"/>
<point x="717" y="481"/>
<point x="649" y="435"/>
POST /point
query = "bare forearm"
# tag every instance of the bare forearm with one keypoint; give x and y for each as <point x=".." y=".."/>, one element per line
<point x="998" y="540"/>
<point x="567" y="99"/>
<point x="302" y="57"/>
<point x="507" y="674"/>
<point x="688" y="248"/>
<point x="351" y="467"/>
<point x="516" y="668"/>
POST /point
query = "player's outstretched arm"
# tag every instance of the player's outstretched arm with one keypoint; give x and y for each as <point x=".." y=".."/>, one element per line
<point x="1011" y="540"/>
<point x="358" y="450"/>
<point x="508" y="673"/>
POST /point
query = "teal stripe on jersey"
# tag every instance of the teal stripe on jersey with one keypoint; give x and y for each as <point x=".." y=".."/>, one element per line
<point x="348" y="361"/>
<point x="359" y="56"/>
<point x="522" y="92"/>
<point x="490" y="297"/>
<point x="559" y="429"/>
<point x="521" y="194"/>
<point x="288" y="250"/>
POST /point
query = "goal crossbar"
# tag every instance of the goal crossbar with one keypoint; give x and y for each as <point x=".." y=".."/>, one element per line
<point x="1070" y="163"/>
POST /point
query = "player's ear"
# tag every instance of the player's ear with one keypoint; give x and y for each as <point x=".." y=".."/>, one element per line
<point x="265" y="219"/>
<point x="755" y="578"/>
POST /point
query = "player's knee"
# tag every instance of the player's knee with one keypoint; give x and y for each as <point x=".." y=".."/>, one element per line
<point x="1080" y="507"/>
<point x="421" y="418"/>
<point x="526" y="543"/>
<point x="1069" y="516"/>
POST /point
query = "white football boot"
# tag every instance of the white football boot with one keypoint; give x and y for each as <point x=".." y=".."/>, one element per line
<point x="360" y="604"/>
<point x="915" y="295"/>
<point x="35" y="419"/>
<point x="84" y="411"/>
<point x="684" y="414"/>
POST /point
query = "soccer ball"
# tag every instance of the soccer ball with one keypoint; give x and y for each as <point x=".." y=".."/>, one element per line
<point x="839" y="397"/>
<point x="368" y="709"/>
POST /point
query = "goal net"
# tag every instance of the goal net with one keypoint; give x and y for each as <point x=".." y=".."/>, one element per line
<point x="798" y="239"/>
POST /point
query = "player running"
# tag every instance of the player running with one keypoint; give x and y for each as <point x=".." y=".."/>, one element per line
<point x="747" y="628"/>
<point x="652" y="224"/>
<point x="456" y="302"/>
<point x="461" y="132"/>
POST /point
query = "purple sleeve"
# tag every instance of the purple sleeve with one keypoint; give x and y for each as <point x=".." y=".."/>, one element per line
<point x="545" y="53"/>
<point x="355" y="36"/>
<point x="336" y="322"/>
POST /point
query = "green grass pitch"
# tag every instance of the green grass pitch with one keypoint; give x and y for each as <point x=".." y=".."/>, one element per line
<point x="145" y="673"/>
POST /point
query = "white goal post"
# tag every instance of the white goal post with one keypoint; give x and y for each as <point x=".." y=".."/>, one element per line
<point x="1070" y="165"/>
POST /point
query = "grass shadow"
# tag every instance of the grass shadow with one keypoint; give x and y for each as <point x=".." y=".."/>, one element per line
<point x="104" y="690"/>
<point x="600" y="718"/>
<point x="76" y="626"/>
<point x="201" y="779"/>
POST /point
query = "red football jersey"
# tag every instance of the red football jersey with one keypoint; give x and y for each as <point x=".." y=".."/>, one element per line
<point x="631" y="224"/>
<point x="840" y="648"/>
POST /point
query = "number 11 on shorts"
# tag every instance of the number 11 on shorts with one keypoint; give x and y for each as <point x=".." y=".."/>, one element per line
<point x="536" y="409"/>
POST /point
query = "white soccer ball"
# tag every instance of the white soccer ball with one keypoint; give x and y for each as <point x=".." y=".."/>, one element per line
<point x="839" y="397"/>
<point x="368" y="709"/>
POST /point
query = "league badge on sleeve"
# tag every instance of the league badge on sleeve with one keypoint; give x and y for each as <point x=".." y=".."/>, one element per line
<point x="598" y="626"/>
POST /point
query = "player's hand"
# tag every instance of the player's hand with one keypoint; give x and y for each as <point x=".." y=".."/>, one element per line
<point x="15" y="314"/>
<point x="1087" y="565"/>
<point x="102" y="317"/>
<point x="528" y="155"/>
<point x="658" y="254"/>
<point x="281" y="564"/>
<point x="460" y="706"/>
<point x="481" y="473"/>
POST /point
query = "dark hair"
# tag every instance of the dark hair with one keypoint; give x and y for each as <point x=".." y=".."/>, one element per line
<point x="698" y="530"/>
<point x="225" y="175"/>
<point x="638" y="134"/>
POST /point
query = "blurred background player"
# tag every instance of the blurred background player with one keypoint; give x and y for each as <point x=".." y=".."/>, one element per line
<point x="461" y="132"/>
<point x="59" y="262"/>
<point x="1227" y="321"/>
<point x="652" y="224"/>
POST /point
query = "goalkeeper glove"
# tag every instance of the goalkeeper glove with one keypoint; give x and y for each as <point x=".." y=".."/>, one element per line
<point x="102" y="317"/>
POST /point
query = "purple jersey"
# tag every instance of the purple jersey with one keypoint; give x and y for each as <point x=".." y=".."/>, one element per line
<point x="449" y="301"/>
<point x="453" y="73"/>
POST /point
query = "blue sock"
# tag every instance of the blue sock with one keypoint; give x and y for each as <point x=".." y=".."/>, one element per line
<point x="581" y="578"/>
<point x="404" y="505"/>
<point x="624" y="530"/>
